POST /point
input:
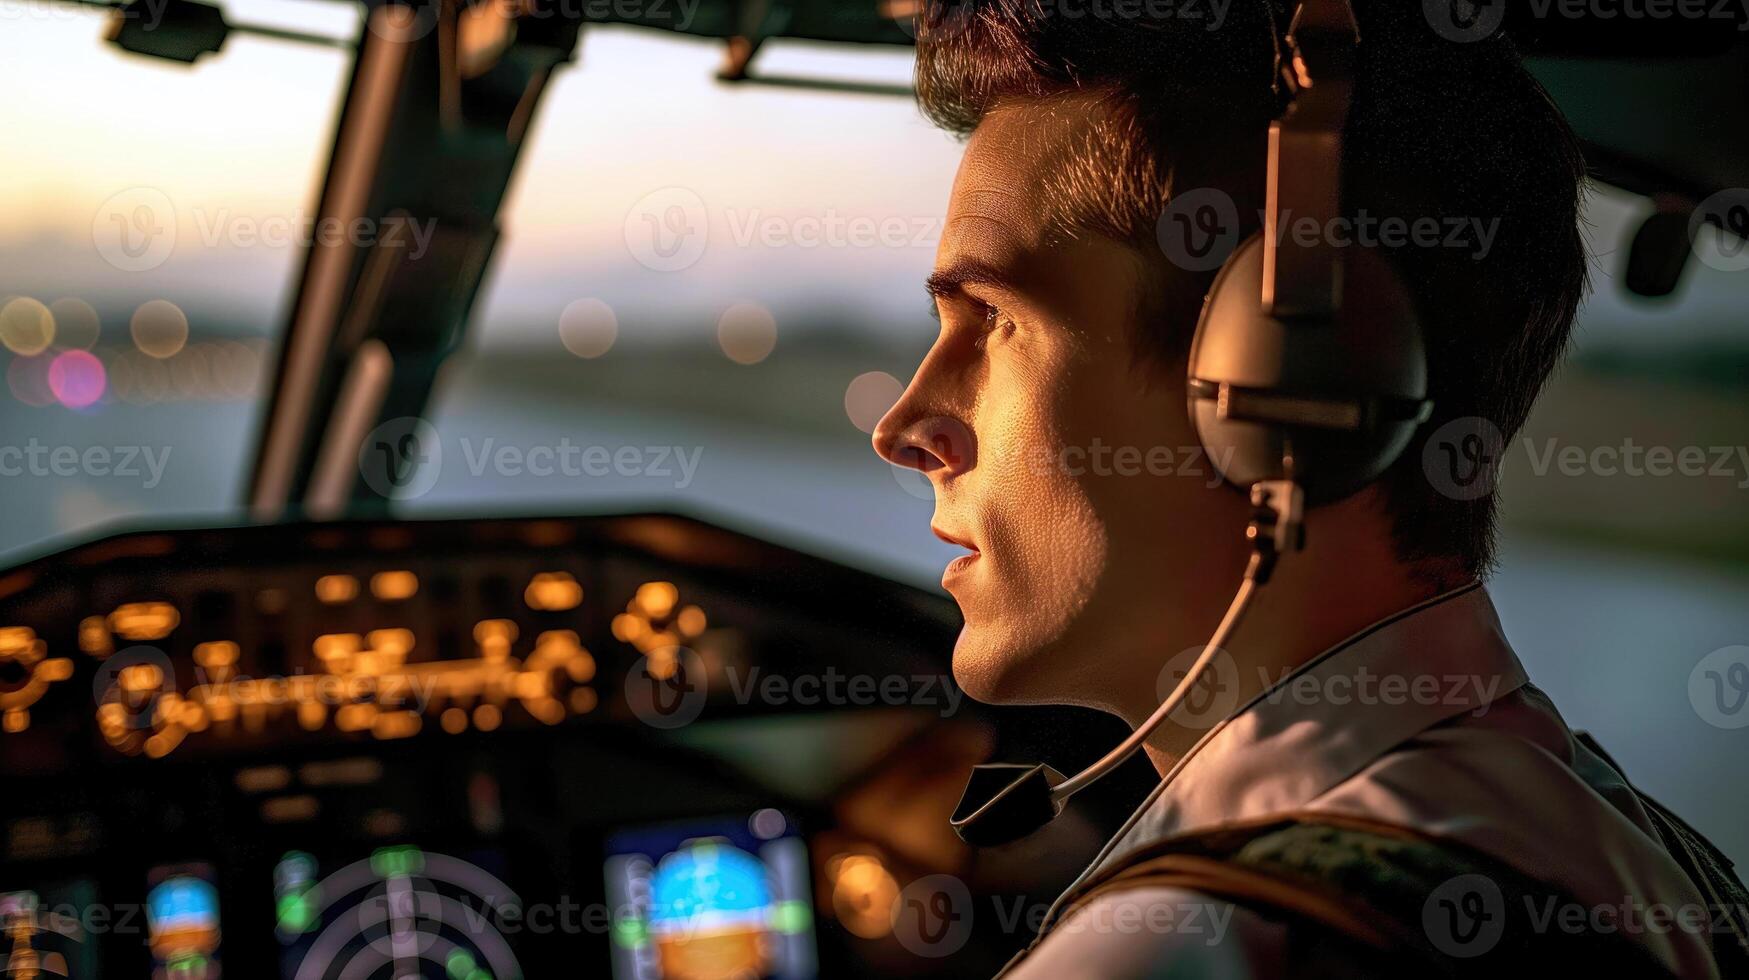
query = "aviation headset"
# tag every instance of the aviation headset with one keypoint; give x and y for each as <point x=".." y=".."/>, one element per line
<point x="1306" y="380"/>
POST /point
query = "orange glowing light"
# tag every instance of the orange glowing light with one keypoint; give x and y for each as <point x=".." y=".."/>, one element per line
<point x="628" y="628"/>
<point x="222" y="708"/>
<point x="263" y="779"/>
<point x="396" y="724"/>
<point x="15" y="640"/>
<point x="394" y="586"/>
<point x="312" y="715"/>
<point x="356" y="771"/>
<point x="662" y="663"/>
<point x="454" y="720"/>
<point x="487" y="717"/>
<point x="192" y="716"/>
<point x="532" y="685"/>
<point x="355" y="717"/>
<point x="863" y="893"/>
<point x="144" y="620"/>
<point x="290" y="809"/>
<point x="216" y="655"/>
<point x="331" y="645"/>
<point x="333" y="590"/>
<point x="558" y="641"/>
<point x="553" y="592"/>
<point x="140" y="678"/>
<point x="656" y="599"/>
<point x="651" y="623"/>
<point x="691" y="621"/>
<point x="548" y="710"/>
<point x="95" y="638"/>
<point x="491" y="630"/>
<point x="394" y="643"/>
<point x="494" y="637"/>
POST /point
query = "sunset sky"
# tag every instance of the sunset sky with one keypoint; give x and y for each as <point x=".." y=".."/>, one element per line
<point x="243" y="137"/>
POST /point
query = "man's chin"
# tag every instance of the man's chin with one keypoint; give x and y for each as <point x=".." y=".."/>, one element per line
<point x="995" y="672"/>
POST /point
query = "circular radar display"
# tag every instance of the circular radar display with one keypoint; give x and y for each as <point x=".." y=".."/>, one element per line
<point x="402" y="913"/>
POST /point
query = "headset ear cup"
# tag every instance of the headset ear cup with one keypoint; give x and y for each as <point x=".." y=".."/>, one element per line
<point x="1328" y="402"/>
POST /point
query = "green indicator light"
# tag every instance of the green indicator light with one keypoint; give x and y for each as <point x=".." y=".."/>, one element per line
<point x="630" y="932"/>
<point x="296" y="913"/>
<point x="393" y="862"/>
<point x="460" y="964"/>
<point x="791" y="917"/>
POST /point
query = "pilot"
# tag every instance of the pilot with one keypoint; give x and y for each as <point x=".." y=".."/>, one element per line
<point x="1364" y="782"/>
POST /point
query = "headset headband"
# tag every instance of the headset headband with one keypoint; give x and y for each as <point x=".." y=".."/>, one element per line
<point x="1306" y="280"/>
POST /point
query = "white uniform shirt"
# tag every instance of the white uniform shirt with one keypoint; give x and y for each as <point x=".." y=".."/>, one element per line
<point x="1425" y="720"/>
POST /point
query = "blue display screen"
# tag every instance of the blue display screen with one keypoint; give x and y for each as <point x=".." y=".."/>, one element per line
<point x="709" y="899"/>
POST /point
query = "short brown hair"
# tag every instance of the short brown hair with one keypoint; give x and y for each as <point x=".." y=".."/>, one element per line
<point x="1438" y="129"/>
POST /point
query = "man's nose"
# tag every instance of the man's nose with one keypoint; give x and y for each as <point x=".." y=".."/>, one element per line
<point x="936" y="445"/>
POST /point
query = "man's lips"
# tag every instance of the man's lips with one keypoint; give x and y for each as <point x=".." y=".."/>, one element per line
<point x="962" y="563"/>
<point x="952" y="539"/>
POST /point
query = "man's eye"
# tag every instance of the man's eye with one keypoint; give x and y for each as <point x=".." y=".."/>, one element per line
<point x="996" y="323"/>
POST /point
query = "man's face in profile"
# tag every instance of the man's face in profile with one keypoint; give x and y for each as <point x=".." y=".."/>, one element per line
<point x="1061" y="460"/>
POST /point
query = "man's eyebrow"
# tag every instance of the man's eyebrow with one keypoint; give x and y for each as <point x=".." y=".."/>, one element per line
<point x="954" y="278"/>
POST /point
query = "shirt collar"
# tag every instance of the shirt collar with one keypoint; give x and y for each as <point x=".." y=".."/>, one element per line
<point x="1334" y="715"/>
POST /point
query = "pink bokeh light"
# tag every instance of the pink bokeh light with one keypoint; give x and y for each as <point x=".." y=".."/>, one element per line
<point x="77" y="378"/>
